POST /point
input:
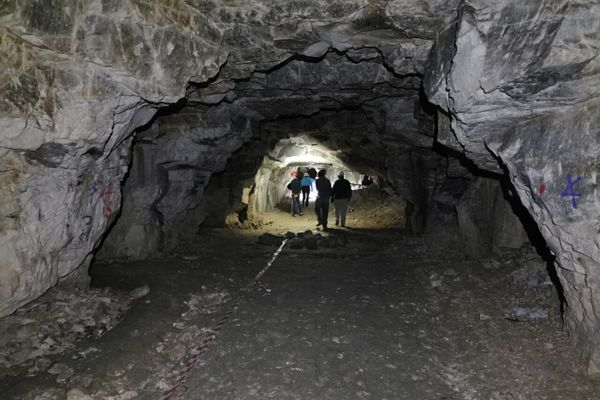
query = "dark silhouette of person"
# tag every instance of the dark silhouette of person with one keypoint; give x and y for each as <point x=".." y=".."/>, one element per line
<point x="296" y="188"/>
<point x="340" y="196"/>
<point x="367" y="180"/>
<point x="323" y="195"/>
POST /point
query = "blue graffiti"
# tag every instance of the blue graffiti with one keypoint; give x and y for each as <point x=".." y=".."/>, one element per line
<point x="570" y="190"/>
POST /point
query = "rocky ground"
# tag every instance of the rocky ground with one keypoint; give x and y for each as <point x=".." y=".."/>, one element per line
<point x="366" y="314"/>
<point x="369" y="208"/>
<point x="53" y="324"/>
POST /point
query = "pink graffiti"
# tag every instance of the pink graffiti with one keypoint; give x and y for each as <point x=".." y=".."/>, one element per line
<point x="105" y="195"/>
<point x="108" y="211"/>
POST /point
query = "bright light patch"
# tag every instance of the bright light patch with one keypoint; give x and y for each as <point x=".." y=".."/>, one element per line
<point x="304" y="159"/>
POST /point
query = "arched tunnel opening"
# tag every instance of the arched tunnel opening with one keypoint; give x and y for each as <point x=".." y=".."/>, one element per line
<point x="158" y="244"/>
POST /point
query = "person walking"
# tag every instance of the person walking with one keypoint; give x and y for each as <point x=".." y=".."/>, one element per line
<point x="340" y="196"/>
<point x="323" y="194"/>
<point x="307" y="183"/>
<point x="295" y="188"/>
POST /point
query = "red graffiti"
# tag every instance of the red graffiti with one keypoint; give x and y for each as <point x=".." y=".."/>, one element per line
<point x="106" y="192"/>
<point x="108" y="211"/>
<point x="105" y="195"/>
<point x="542" y="188"/>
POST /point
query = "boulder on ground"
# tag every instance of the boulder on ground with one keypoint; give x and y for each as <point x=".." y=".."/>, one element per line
<point x="268" y="239"/>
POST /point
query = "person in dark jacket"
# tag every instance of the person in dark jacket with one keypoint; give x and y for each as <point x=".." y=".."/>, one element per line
<point x="323" y="194"/>
<point x="296" y="188"/>
<point x="340" y="196"/>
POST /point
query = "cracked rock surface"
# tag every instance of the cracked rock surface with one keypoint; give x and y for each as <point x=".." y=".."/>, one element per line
<point x="185" y="87"/>
<point x="525" y="96"/>
<point x="78" y="78"/>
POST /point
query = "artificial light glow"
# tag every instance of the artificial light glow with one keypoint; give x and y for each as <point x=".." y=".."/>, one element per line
<point x="304" y="159"/>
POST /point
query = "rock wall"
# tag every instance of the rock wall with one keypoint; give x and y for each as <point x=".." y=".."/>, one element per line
<point x="524" y="97"/>
<point x="80" y="77"/>
<point x="486" y="222"/>
<point x="76" y="79"/>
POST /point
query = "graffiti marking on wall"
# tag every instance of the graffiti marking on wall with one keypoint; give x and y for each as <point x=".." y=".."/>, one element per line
<point x="569" y="191"/>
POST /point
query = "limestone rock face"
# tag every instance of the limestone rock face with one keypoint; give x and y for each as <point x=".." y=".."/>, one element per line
<point x="79" y="77"/>
<point x="193" y="82"/>
<point x="520" y="82"/>
<point x="486" y="221"/>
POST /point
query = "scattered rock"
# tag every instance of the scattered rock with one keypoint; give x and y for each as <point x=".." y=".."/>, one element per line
<point x="204" y="304"/>
<point x="178" y="325"/>
<point x="297" y="243"/>
<point x="53" y="323"/>
<point x="41" y="364"/>
<point x="268" y="239"/>
<point x="531" y="277"/>
<point x="62" y="371"/>
<point x="128" y="395"/>
<point x="139" y="292"/>
<point x="435" y="280"/>
<point x="522" y="313"/>
<point x="491" y="264"/>
<point x="19" y="357"/>
<point x="450" y="272"/>
<point x="311" y="242"/>
<point x="331" y="242"/>
<point x="49" y="394"/>
<point x="76" y="394"/>
<point x="436" y="283"/>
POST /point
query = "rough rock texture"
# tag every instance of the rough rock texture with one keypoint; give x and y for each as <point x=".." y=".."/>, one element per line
<point x="520" y="82"/>
<point x="169" y="193"/>
<point x="84" y="79"/>
<point x="53" y="324"/>
<point x="486" y="221"/>
<point x="77" y="78"/>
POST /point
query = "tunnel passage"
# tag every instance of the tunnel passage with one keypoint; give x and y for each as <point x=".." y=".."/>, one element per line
<point x="515" y="98"/>
<point x="210" y="160"/>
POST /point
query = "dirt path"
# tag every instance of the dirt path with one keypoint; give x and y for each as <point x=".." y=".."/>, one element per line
<point x="385" y="317"/>
<point x="367" y="323"/>
<point x="335" y="326"/>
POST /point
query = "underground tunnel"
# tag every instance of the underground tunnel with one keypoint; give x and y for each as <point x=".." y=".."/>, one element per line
<point x="149" y="244"/>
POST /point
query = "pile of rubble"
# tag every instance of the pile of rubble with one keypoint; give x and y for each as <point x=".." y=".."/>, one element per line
<point x="52" y="324"/>
<point x="372" y="205"/>
<point x="534" y="296"/>
<point x="303" y="240"/>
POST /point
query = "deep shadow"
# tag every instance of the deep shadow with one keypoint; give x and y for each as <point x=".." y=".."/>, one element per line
<point x="510" y="195"/>
<point x="534" y="234"/>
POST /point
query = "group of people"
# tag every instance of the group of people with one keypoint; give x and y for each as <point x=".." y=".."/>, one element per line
<point x="339" y="194"/>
